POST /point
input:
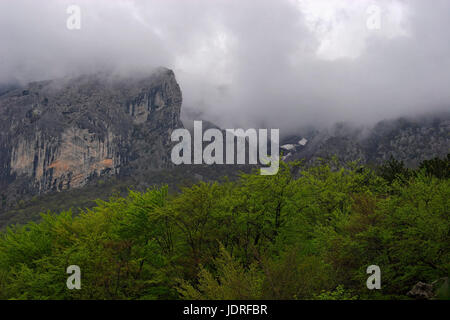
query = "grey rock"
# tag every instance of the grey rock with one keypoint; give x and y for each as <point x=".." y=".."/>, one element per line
<point x="438" y="289"/>
<point x="422" y="291"/>
<point x="59" y="134"/>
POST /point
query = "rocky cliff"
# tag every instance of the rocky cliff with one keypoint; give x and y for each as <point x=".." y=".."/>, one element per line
<point x="410" y="140"/>
<point x="59" y="134"/>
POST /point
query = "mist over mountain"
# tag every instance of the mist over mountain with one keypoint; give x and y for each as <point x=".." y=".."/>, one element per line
<point x="233" y="150"/>
<point x="279" y="64"/>
<point x="70" y="133"/>
<point x="79" y="105"/>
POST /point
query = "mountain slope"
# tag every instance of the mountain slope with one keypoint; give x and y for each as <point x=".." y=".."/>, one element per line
<point x="411" y="140"/>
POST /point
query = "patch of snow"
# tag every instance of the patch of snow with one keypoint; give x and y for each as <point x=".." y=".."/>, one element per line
<point x="287" y="146"/>
<point x="303" y="142"/>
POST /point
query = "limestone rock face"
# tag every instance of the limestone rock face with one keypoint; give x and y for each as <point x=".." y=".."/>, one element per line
<point x="58" y="134"/>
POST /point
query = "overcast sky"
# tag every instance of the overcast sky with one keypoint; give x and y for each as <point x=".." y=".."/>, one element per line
<point x="251" y="63"/>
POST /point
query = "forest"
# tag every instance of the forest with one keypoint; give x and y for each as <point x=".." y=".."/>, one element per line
<point x="308" y="232"/>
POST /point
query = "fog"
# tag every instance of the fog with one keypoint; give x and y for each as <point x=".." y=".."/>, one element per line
<point x="248" y="63"/>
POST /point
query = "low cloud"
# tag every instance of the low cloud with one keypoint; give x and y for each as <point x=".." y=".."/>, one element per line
<point x="271" y="63"/>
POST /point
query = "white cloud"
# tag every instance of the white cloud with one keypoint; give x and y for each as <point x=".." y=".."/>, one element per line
<point x="340" y="25"/>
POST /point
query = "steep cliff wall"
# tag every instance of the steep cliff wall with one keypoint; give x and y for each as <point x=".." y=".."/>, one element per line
<point x="56" y="135"/>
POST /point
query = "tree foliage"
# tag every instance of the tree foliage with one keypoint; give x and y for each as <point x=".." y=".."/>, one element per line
<point x="305" y="233"/>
